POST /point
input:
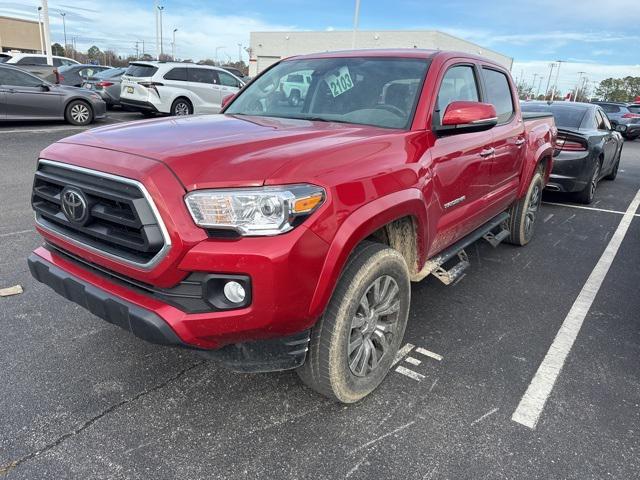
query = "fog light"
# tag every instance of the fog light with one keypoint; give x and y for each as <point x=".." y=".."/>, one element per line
<point x="234" y="292"/>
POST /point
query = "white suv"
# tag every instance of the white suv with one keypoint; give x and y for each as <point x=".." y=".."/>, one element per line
<point x="176" y="88"/>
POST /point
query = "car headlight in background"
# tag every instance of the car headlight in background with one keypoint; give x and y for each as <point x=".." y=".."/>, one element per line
<point x="254" y="211"/>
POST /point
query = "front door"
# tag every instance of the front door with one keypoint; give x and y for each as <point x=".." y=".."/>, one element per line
<point x="204" y="82"/>
<point x="461" y="163"/>
<point x="26" y="97"/>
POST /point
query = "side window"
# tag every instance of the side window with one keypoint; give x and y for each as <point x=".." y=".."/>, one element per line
<point x="179" y="74"/>
<point x="602" y="121"/>
<point x="18" y="79"/>
<point x="32" y="61"/>
<point x="610" y="108"/>
<point x="458" y="84"/>
<point x="227" y="80"/>
<point x="57" y="62"/>
<point x="499" y="93"/>
<point x="65" y="62"/>
<point x="203" y="75"/>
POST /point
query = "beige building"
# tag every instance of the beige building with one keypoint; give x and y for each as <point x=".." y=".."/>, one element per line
<point x="269" y="47"/>
<point x="18" y="34"/>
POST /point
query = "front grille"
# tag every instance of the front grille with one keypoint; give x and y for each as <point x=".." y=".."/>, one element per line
<point x="120" y="220"/>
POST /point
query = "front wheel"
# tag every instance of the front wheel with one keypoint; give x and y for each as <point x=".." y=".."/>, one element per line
<point x="78" y="113"/>
<point x="355" y="342"/>
<point x="524" y="212"/>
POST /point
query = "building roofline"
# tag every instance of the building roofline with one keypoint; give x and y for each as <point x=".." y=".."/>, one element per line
<point x="15" y="19"/>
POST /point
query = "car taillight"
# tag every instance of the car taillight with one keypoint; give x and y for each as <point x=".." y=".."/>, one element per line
<point x="570" y="146"/>
<point x="631" y="115"/>
<point x="104" y="84"/>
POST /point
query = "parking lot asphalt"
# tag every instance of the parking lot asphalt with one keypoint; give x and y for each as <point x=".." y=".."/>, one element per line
<point x="83" y="399"/>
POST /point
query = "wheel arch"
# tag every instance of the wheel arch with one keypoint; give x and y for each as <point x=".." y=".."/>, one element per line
<point x="387" y="220"/>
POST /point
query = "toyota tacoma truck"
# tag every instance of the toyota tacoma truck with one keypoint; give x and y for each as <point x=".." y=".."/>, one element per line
<point x="276" y="236"/>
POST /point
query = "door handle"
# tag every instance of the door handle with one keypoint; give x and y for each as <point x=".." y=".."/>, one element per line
<point x="520" y="142"/>
<point x="487" y="152"/>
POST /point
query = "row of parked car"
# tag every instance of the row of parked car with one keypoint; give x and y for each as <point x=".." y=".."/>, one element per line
<point x="32" y="90"/>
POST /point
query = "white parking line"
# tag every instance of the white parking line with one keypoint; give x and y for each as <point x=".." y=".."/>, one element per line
<point x="31" y="230"/>
<point x="427" y="353"/>
<point x="402" y="352"/>
<point x="532" y="403"/>
<point x="413" y="361"/>
<point x="409" y="373"/>
<point x="581" y="207"/>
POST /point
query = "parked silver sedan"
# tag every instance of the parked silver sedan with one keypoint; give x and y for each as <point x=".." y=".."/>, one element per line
<point x="24" y="96"/>
<point x="107" y="84"/>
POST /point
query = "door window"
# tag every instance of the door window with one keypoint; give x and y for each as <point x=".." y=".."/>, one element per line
<point x="32" y="61"/>
<point x="18" y="79"/>
<point x="499" y="93"/>
<point x="203" y="75"/>
<point x="458" y="84"/>
<point x="178" y="74"/>
<point x="227" y="80"/>
<point x="610" y="108"/>
<point x="603" y="121"/>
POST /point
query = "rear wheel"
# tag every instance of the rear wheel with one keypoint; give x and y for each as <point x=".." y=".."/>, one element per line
<point x="355" y="341"/>
<point x="79" y="113"/>
<point x="524" y="212"/>
<point x="181" y="106"/>
<point x="587" y="194"/>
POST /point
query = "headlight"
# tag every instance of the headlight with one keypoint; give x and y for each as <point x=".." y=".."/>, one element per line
<point x="255" y="211"/>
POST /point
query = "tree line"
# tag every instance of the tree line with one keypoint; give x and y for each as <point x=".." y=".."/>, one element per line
<point x="110" y="58"/>
<point x="625" y="89"/>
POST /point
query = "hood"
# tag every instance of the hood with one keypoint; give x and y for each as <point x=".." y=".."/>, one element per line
<point x="214" y="151"/>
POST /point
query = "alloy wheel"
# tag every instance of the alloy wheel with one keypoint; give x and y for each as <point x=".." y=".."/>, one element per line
<point x="532" y="209"/>
<point x="373" y="326"/>
<point x="182" y="109"/>
<point x="80" y="113"/>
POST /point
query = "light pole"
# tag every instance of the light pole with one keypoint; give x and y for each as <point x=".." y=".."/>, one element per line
<point x="47" y="35"/>
<point x="356" y="20"/>
<point x="173" y="45"/>
<point x="239" y="52"/>
<point x="64" y="27"/>
<point x="575" y="97"/>
<point x="555" y="84"/>
<point x="218" y="49"/>
<point x="40" y="29"/>
<point x="160" y="9"/>
<point x="546" y="91"/>
<point x="155" y="12"/>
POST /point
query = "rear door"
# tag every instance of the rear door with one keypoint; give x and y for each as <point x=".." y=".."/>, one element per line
<point x="25" y="98"/>
<point x="205" y="84"/>
<point x="462" y="162"/>
<point x="508" y="135"/>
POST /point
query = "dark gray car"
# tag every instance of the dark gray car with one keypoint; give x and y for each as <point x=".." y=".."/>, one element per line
<point x="76" y="75"/>
<point x="26" y="97"/>
<point x="619" y="114"/>
<point x="107" y="84"/>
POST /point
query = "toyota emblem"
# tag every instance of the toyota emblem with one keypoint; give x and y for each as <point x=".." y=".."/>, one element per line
<point x="74" y="205"/>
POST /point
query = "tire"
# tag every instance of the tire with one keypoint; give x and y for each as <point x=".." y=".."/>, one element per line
<point x="330" y="368"/>
<point x="148" y="114"/>
<point x="294" y="98"/>
<point x="614" y="171"/>
<point x="181" y="106"/>
<point x="523" y="212"/>
<point x="78" y="112"/>
<point x="587" y="194"/>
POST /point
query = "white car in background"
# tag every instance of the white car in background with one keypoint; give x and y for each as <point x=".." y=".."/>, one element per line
<point x="176" y="88"/>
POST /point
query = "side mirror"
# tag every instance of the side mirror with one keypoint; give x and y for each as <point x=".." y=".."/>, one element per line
<point x="226" y="100"/>
<point x="466" y="117"/>
<point x="44" y="87"/>
<point x="620" y="128"/>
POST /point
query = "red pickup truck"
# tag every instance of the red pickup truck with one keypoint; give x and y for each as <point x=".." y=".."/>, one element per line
<point x="278" y="236"/>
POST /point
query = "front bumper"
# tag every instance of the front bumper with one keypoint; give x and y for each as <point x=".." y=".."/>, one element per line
<point x="633" y="130"/>
<point x="258" y="356"/>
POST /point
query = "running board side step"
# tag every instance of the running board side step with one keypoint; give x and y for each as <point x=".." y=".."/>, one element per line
<point x="489" y="231"/>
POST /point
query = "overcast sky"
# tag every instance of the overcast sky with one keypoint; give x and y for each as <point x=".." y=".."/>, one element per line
<point x="599" y="37"/>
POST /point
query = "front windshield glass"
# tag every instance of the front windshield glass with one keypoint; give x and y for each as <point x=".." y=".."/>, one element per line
<point x="382" y="92"/>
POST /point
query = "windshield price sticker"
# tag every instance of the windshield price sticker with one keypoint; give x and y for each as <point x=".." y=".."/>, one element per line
<point x="340" y="83"/>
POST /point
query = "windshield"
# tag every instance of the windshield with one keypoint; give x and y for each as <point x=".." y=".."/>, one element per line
<point x="382" y="92"/>
<point x="110" y="73"/>
<point x="565" y="116"/>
